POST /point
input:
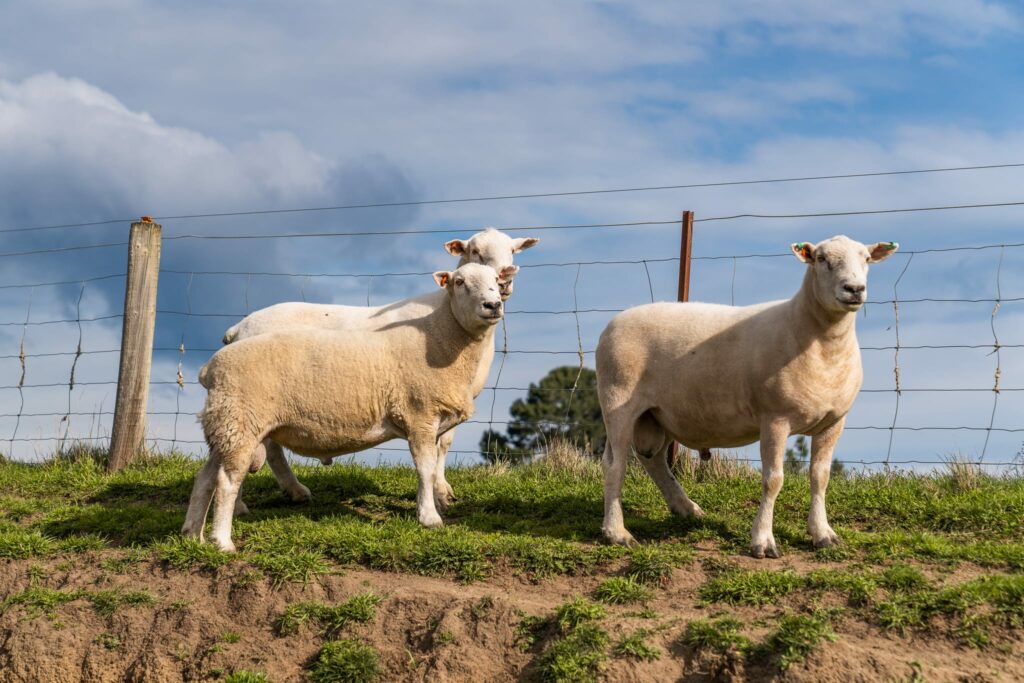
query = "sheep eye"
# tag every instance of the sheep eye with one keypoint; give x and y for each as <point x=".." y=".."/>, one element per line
<point x="459" y="281"/>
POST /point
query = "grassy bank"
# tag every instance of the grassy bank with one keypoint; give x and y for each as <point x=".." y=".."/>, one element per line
<point x="939" y="554"/>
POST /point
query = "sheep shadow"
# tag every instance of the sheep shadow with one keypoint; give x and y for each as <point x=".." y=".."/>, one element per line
<point x="136" y="511"/>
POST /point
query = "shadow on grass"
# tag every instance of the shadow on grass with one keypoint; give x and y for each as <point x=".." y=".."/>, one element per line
<point x="140" y="511"/>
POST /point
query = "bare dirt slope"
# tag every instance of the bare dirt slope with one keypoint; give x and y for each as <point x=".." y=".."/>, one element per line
<point x="204" y="626"/>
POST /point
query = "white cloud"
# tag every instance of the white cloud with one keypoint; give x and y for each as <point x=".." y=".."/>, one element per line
<point x="749" y="100"/>
<point x="74" y="132"/>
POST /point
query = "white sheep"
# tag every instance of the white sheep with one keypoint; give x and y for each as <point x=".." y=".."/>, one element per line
<point x="712" y="376"/>
<point x="325" y="392"/>
<point x="489" y="247"/>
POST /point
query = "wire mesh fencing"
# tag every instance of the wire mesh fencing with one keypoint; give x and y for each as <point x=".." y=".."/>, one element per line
<point x="936" y="382"/>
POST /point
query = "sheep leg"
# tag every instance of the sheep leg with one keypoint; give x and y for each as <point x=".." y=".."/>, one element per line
<point x="424" y="456"/>
<point x="259" y="456"/>
<point x="675" y="495"/>
<point x="229" y="479"/>
<point x="443" y="492"/>
<point x="773" y="446"/>
<point x="286" y="479"/>
<point x="822" y="446"/>
<point x="616" y="457"/>
<point x="202" y="494"/>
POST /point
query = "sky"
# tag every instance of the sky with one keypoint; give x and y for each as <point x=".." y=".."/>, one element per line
<point x="178" y="109"/>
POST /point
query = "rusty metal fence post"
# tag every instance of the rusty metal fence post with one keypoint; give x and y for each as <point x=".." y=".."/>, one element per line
<point x="685" y="261"/>
<point x="129" y="429"/>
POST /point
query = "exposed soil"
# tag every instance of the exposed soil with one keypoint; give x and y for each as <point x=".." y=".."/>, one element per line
<point x="426" y="629"/>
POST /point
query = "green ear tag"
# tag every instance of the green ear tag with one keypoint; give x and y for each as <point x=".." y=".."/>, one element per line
<point x="893" y="245"/>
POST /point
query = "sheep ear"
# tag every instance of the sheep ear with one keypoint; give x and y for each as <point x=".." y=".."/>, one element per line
<point x="507" y="273"/>
<point x="456" y="247"/>
<point x="879" y="251"/>
<point x="442" y="277"/>
<point x="522" y="243"/>
<point x="803" y="251"/>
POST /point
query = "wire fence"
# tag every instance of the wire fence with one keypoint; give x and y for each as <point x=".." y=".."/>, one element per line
<point x="53" y="363"/>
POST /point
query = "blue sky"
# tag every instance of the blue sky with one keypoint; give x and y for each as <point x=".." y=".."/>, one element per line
<point x="180" y="108"/>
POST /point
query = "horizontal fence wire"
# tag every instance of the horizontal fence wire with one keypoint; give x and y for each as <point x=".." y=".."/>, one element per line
<point x="995" y="346"/>
<point x="539" y="195"/>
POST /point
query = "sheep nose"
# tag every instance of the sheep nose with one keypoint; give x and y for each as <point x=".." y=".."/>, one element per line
<point x="855" y="289"/>
<point x="492" y="305"/>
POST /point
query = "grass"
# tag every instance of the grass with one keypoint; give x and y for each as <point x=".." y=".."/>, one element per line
<point x="245" y="676"/>
<point x="751" y="587"/>
<point x="635" y="646"/>
<point x="795" y="637"/>
<point x="577" y="657"/>
<point x="620" y="590"/>
<point x="345" y="661"/>
<point x="577" y="611"/>
<point x="540" y="520"/>
<point x="360" y="609"/>
<point x="902" y="534"/>
<point x="38" y="600"/>
<point x="721" y="635"/>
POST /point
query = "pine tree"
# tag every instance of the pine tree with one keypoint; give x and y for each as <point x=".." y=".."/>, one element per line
<point x="551" y="410"/>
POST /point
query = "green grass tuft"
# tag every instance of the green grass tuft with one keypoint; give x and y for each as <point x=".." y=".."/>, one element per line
<point x="751" y="587"/>
<point x="796" y="637"/>
<point x="636" y="647"/>
<point x="20" y="544"/>
<point x="108" y="641"/>
<point x="188" y="553"/>
<point x="576" y="611"/>
<point x="345" y="661"/>
<point x="576" y="658"/>
<point x="720" y="635"/>
<point x="621" y="591"/>
<point x="299" y="566"/>
<point x="245" y="676"/>
<point x="653" y="565"/>
<point x="38" y="600"/>
<point x="107" y="602"/>
<point x="360" y="609"/>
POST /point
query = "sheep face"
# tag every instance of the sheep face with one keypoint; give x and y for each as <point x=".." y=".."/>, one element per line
<point x="474" y="290"/>
<point x="492" y="248"/>
<point x="839" y="270"/>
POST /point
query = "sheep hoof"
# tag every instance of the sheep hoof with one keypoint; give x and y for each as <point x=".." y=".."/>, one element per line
<point x="225" y="545"/>
<point x="762" y="550"/>
<point x="829" y="540"/>
<point x="188" y="532"/>
<point x="240" y="507"/>
<point x="301" y="494"/>
<point x="621" y="537"/>
<point x="693" y="511"/>
<point x="432" y="522"/>
<point x="444" y="496"/>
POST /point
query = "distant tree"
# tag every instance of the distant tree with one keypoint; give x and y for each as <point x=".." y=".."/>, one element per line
<point x="797" y="457"/>
<point x="551" y="410"/>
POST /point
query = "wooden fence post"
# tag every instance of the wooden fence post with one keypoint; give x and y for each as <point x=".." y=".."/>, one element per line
<point x="685" y="261"/>
<point x="129" y="432"/>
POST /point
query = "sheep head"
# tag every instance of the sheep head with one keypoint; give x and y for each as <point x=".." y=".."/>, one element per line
<point x="473" y="290"/>
<point x="492" y="248"/>
<point x="838" y="270"/>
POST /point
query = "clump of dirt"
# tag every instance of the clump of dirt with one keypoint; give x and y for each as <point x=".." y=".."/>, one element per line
<point x="201" y="626"/>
